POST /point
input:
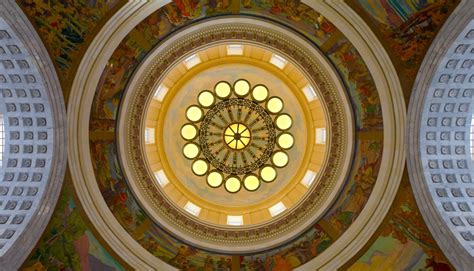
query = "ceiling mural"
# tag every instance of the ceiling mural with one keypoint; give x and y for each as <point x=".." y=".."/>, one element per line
<point x="411" y="25"/>
<point x="67" y="27"/>
<point x="398" y="29"/>
<point x="406" y="29"/>
<point x="402" y="240"/>
<point x="253" y="205"/>
<point x="69" y="241"/>
<point x="367" y="112"/>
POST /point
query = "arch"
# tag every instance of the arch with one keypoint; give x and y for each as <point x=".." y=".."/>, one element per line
<point x="438" y="159"/>
<point x="35" y="139"/>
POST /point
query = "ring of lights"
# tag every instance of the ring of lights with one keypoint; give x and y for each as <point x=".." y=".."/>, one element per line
<point x="258" y="236"/>
<point x="232" y="128"/>
<point x="237" y="136"/>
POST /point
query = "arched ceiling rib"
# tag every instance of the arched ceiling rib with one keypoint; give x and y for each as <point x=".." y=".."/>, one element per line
<point x="439" y="155"/>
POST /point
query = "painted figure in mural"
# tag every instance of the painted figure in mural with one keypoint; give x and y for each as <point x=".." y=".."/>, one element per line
<point x="258" y="265"/>
<point x="181" y="258"/>
<point x="65" y="33"/>
<point x="292" y="8"/>
<point x="209" y="264"/>
<point x="187" y="7"/>
<point x="213" y="7"/>
<point x="320" y="241"/>
<point x="151" y="245"/>
<point x="247" y="3"/>
<point x="410" y="25"/>
<point x="153" y="28"/>
<point x="222" y="4"/>
<point x="173" y="15"/>
<point x="314" y="246"/>
<point x="292" y="256"/>
<point x="304" y="251"/>
<point x="282" y="264"/>
<point x="436" y="266"/>
<point x="269" y="262"/>
<point x="322" y="27"/>
<point x="224" y="264"/>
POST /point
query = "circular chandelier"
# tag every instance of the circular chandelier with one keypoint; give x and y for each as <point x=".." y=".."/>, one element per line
<point x="237" y="136"/>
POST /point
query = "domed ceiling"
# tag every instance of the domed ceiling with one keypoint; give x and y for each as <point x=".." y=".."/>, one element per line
<point x="151" y="134"/>
<point x="236" y="133"/>
<point x="259" y="174"/>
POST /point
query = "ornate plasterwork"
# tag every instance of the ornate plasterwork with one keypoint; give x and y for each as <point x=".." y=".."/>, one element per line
<point x="317" y="70"/>
<point x="237" y="136"/>
<point x="345" y="247"/>
<point x="257" y="114"/>
<point x="34" y="159"/>
<point x="439" y="159"/>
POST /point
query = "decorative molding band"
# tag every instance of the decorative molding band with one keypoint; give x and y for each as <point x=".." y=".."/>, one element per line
<point x="333" y="95"/>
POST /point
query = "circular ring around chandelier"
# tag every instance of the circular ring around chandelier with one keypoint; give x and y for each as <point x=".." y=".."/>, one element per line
<point x="237" y="136"/>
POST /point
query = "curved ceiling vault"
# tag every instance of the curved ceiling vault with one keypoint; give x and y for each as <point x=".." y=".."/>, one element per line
<point x="34" y="158"/>
<point x="305" y="113"/>
<point x="439" y="152"/>
<point x="143" y="91"/>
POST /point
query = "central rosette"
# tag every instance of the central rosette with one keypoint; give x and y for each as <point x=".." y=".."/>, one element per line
<point x="237" y="136"/>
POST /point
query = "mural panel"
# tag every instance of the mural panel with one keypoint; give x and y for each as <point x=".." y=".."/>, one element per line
<point x="68" y="242"/>
<point x="406" y="29"/>
<point x="404" y="242"/>
<point x="67" y="27"/>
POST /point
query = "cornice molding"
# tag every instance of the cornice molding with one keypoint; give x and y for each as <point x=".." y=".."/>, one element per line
<point x="315" y="203"/>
